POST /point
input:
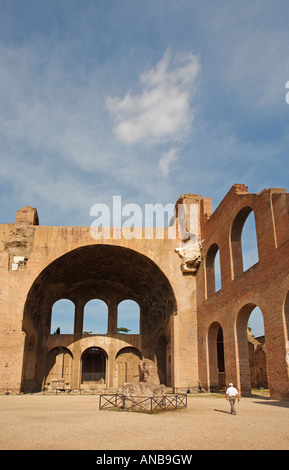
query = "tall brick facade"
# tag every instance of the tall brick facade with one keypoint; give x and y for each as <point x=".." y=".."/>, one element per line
<point x="195" y="335"/>
<point x="266" y="285"/>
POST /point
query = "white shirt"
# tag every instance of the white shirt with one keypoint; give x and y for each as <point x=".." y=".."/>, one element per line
<point x="232" y="392"/>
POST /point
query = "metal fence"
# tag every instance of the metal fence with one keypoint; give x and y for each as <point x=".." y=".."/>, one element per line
<point x="142" y="404"/>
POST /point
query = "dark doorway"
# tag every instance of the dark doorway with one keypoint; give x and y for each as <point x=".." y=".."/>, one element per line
<point x="221" y="360"/>
<point x="161" y="353"/>
<point x="93" y="366"/>
<point x="217" y="374"/>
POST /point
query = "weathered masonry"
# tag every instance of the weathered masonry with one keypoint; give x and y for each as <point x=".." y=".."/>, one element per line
<point x="194" y="334"/>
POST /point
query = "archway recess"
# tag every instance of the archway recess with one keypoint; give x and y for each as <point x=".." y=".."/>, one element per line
<point x="107" y="272"/>
<point x="94" y="366"/>
<point x="216" y="358"/>
<point x="128" y="362"/>
<point x="246" y="376"/>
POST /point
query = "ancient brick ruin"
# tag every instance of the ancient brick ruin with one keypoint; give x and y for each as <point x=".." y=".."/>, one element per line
<point x="184" y="322"/>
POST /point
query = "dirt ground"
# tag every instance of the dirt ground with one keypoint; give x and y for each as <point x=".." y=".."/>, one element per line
<point x="66" y="422"/>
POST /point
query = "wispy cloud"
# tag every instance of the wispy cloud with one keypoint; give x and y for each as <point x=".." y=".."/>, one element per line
<point x="56" y="142"/>
<point x="161" y="112"/>
<point x="167" y="160"/>
<point x="90" y="108"/>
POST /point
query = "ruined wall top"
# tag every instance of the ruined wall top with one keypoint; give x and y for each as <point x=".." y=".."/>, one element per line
<point x="27" y="216"/>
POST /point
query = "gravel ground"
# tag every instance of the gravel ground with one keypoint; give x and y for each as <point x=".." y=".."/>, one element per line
<point x="66" y="422"/>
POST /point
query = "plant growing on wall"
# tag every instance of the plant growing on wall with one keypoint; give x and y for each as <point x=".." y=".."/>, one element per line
<point x="122" y="330"/>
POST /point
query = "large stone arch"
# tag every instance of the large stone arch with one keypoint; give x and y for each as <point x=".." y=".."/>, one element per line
<point x="112" y="273"/>
<point x="242" y="350"/>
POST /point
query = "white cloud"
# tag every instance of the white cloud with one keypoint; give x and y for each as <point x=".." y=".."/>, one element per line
<point x="56" y="147"/>
<point x="166" y="161"/>
<point x="161" y="112"/>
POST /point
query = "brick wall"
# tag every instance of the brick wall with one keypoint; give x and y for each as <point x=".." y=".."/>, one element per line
<point x="264" y="285"/>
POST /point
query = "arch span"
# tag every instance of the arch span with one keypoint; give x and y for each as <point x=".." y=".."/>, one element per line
<point x="244" y="371"/>
<point x="213" y="269"/>
<point x="108" y="272"/>
<point x="236" y="237"/>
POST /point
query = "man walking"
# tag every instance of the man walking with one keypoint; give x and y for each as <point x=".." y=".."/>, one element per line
<point x="232" y="394"/>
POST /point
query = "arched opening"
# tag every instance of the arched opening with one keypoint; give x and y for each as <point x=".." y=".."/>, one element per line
<point x="93" y="369"/>
<point x="213" y="270"/>
<point x="58" y="369"/>
<point x="128" y="362"/>
<point x="162" y="360"/>
<point x="216" y="358"/>
<point x="95" y="317"/>
<point x="221" y="360"/>
<point x="128" y="317"/>
<point x="252" y="367"/>
<point x="249" y="242"/>
<point x="256" y="323"/>
<point x="62" y="317"/>
<point x="217" y="268"/>
<point x="98" y="272"/>
<point x="244" y="241"/>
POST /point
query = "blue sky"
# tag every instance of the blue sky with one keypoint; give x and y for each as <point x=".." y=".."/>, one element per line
<point x="95" y="316"/>
<point x="147" y="99"/>
<point x="139" y="98"/>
